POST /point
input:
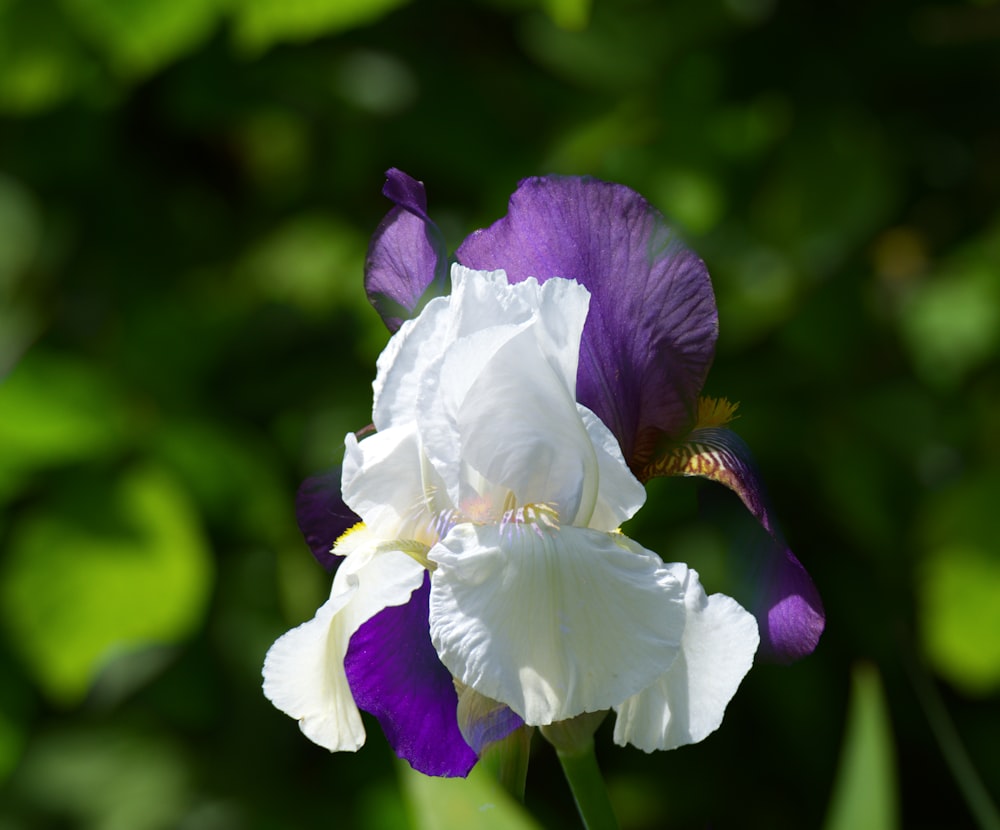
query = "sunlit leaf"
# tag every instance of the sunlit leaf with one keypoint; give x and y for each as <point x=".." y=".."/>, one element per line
<point x="568" y="14"/>
<point x="865" y="795"/>
<point x="261" y="23"/>
<point x="691" y="198"/>
<point x="312" y="261"/>
<point x="951" y="321"/>
<point x="140" y="36"/>
<point x="959" y="582"/>
<point x="477" y="801"/>
<point x="56" y="409"/>
<point x="959" y="587"/>
<point x="41" y="61"/>
<point x="104" y="569"/>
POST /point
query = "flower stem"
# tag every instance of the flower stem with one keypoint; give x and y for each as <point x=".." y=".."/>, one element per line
<point x="957" y="758"/>
<point x="588" y="788"/>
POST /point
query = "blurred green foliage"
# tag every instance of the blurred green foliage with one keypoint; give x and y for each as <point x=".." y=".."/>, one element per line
<point x="186" y="194"/>
<point x="864" y="797"/>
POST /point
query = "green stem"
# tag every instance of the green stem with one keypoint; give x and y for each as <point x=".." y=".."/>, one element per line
<point x="976" y="795"/>
<point x="588" y="788"/>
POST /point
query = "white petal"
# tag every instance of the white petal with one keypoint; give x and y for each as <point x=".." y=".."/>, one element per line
<point x="475" y="303"/>
<point x="519" y="432"/>
<point x="495" y="354"/>
<point x="552" y="622"/>
<point x="417" y="344"/>
<point x="387" y="482"/>
<point x="620" y="494"/>
<point x="304" y="669"/>
<point x="687" y="703"/>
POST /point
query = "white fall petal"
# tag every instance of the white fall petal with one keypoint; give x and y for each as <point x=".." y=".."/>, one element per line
<point x="304" y="669"/>
<point x="553" y="622"/>
<point x="686" y="704"/>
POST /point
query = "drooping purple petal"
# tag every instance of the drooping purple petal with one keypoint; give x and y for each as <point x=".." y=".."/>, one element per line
<point x="407" y="262"/>
<point x="787" y="605"/>
<point x="789" y="610"/>
<point x="322" y="515"/>
<point x="395" y="674"/>
<point x="650" y="335"/>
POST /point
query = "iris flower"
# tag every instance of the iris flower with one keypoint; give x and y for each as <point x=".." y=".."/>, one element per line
<point x="515" y="419"/>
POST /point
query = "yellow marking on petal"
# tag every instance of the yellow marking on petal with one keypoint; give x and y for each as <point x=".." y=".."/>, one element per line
<point x="531" y="514"/>
<point x="415" y="550"/>
<point x="691" y="459"/>
<point x="349" y="539"/>
<point x="715" y="412"/>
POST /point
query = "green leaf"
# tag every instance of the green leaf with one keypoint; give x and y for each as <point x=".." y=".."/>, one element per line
<point x="141" y="36"/>
<point x="41" y="61"/>
<point x="312" y="262"/>
<point x="568" y="14"/>
<point x="261" y="23"/>
<point x="865" y="795"/>
<point x="959" y="587"/>
<point x="477" y="801"/>
<point x="56" y="409"/>
<point x="959" y="582"/>
<point x="109" y="568"/>
<point x="951" y="321"/>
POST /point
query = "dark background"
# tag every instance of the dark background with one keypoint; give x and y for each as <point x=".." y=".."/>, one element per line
<point x="187" y="188"/>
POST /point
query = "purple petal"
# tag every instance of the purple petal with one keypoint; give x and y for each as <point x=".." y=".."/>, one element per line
<point x="406" y="192"/>
<point x="788" y="609"/>
<point x="322" y="515"/>
<point x="787" y="606"/>
<point x="407" y="262"/>
<point x="396" y="675"/>
<point x="650" y="335"/>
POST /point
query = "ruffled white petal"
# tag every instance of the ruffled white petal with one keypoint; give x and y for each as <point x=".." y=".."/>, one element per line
<point x="304" y="669"/>
<point x="687" y="702"/>
<point x="480" y="301"/>
<point x="552" y="622"/>
<point x="417" y="344"/>
<point x="497" y="412"/>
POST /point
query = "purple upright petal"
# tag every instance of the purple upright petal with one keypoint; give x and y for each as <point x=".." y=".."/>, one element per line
<point x="406" y="192"/>
<point x="396" y="675"/>
<point x="407" y="261"/>
<point x="787" y="605"/>
<point x="650" y="335"/>
<point x="322" y="515"/>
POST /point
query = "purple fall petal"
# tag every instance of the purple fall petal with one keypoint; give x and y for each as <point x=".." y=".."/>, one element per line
<point x="406" y="257"/>
<point x="787" y="606"/>
<point x="395" y="674"/>
<point x="789" y="610"/>
<point x="650" y="334"/>
<point x="322" y="515"/>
